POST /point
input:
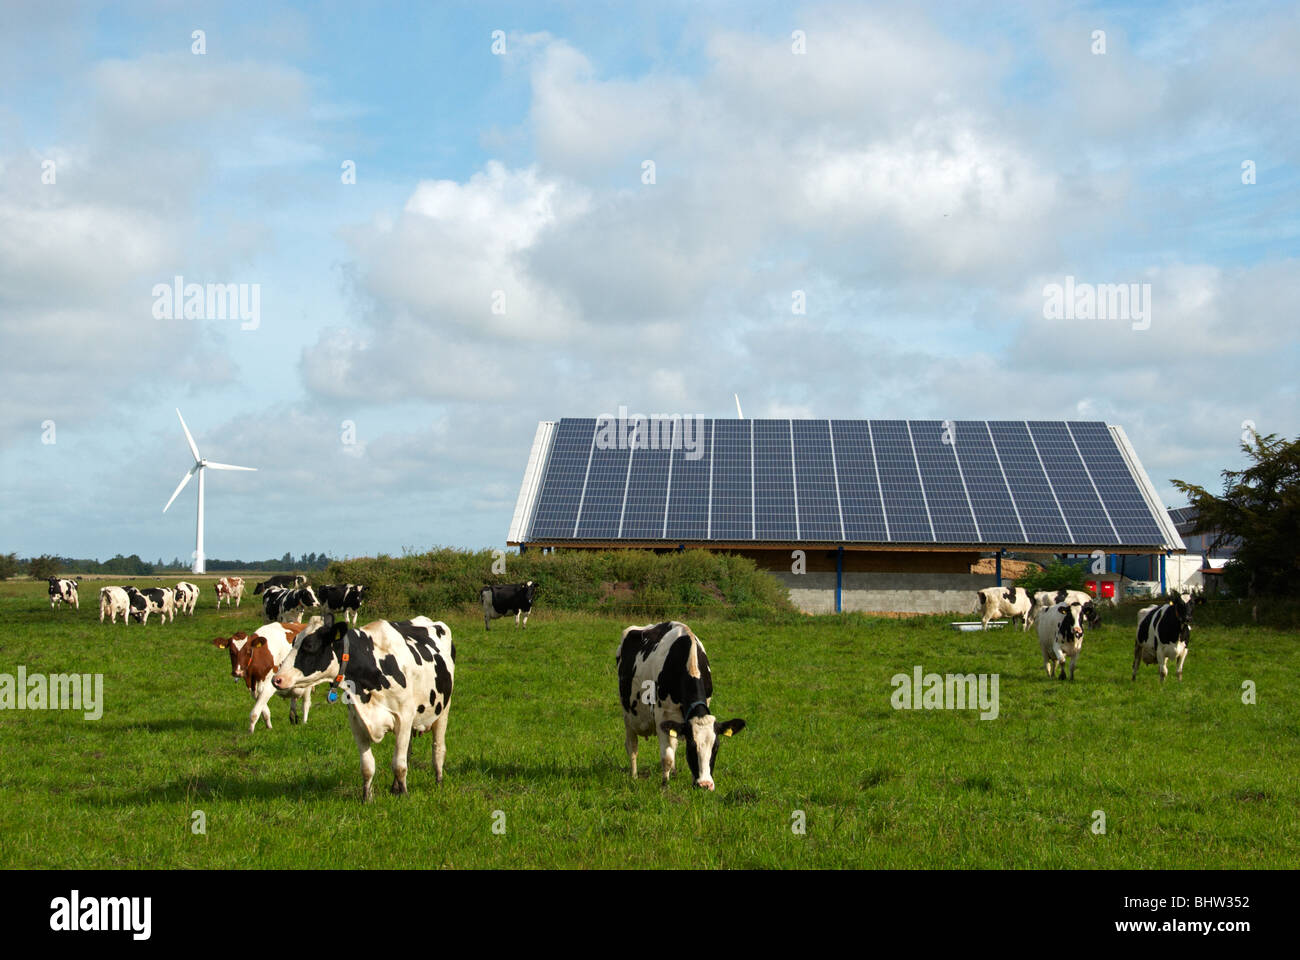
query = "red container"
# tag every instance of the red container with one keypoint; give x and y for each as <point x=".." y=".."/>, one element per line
<point x="1108" y="589"/>
<point x="1090" y="586"/>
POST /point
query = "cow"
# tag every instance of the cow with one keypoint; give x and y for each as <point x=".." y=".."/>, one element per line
<point x="280" y="580"/>
<point x="1164" y="631"/>
<point x="254" y="658"/>
<point x="1009" y="602"/>
<point x="664" y="686"/>
<point x="343" y="598"/>
<point x="64" y="591"/>
<point x="1047" y="598"/>
<point x="113" y="601"/>
<point x="187" y="597"/>
<point x="1060" y="635"/>
<point x="395" y="676"/>
<point x="157" y="600"/>
<point x="230" y="588"/>
<point x="279" y="602"/>
<point x="503" y="599"/>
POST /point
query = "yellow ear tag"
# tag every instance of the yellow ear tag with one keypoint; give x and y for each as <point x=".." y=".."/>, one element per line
<point x="727" y="732"/>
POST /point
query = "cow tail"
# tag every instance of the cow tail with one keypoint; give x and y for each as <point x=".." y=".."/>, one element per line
<point x="692" y="660"/>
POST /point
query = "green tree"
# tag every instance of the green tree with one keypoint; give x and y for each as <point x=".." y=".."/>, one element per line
<point x="1057" y="575"/>
<point x="1260" y="509"/>
<point x="44" y="567"/>
<point x="10" y="566"/>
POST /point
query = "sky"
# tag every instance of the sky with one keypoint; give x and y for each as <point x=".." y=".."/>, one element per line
<point x="461" y="219"/>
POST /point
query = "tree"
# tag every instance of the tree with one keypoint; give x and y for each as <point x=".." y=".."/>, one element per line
<point x="44" y="567"/>
<point x="1057" y="575"/>
<point x="1259" y="508"/>
<point x="9" y="565"/>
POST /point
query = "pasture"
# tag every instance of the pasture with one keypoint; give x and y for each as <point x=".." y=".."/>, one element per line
<point x="1186" y="774"/>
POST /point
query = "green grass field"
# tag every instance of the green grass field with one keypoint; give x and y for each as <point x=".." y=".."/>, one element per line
<point x="1186" y="775"/>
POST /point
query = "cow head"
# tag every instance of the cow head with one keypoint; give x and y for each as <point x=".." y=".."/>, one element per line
<point x="238" y="655"/>
<point x="306" y="596"/>
<point x="1071" y="626"/>
<point x="703" y="734"/>
<point x="1091" y="614"/>
<point x="315" y="655"/>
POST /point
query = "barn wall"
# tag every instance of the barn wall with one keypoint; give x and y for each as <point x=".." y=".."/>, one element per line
<point x="874" y="592"/>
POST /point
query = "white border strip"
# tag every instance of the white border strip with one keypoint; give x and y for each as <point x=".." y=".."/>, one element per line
<point x="522" y="521"/>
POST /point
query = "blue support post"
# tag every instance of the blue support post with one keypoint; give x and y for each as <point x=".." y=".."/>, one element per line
<point x="1162" y="572"/>
<point x="839" y="578"/>
<point x="997" y="566"/>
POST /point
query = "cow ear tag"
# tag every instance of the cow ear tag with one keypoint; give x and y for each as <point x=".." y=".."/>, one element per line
<point x="346" y="658"/>
<point x="727" y="732"/>
<point x="333" y="695"/>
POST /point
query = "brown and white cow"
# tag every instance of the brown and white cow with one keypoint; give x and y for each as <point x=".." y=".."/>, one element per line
<point x="254" y="658"/>
<point x="665" y="685"/>
<point x="395" y="676"/>
<point x="112" y="602"/>
<point x="1009" y="602"/>
<point x="230" y="588"/>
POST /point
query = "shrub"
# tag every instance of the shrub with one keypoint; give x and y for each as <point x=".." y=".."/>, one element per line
<point x="1055" y="576"/>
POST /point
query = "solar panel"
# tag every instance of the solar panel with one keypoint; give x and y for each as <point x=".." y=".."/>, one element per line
<point x="967" y="482"/>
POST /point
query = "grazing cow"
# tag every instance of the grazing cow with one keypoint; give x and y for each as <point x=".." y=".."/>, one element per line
<point x="503" y="599"/>
<point x="279" y="602"/>
<point x="1010" y="602"/>
<point x="395" y="676"/>
<point x="157" y="600"/>
<point x="187" y="597"/>
<point x="230" y="588"/>
<point x="254" y="657"/>
<point x="280" y="580"/>
<point x="112" y="601"/>
<point x="1046" y="598"/>
<point x="1060" y="635"/>
<point x="64" y="591"/>
<point x="344" y="598"/>
<point x="665" y="685"/>
<point x="1164" y="631"/>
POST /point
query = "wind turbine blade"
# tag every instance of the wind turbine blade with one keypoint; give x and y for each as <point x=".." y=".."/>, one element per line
<point x="739" y="412"/>
<point x="226" y="466"/>
<point x="181" y="486"/>
<point x="189" y="439"/>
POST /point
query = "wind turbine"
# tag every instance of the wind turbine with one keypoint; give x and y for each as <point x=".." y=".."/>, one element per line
<point x="199" y="466"/>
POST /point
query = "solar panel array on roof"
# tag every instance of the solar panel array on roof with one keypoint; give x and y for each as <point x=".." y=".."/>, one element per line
<point x="965" y="482"/>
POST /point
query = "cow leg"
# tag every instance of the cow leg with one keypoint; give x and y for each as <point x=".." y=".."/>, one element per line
<point x="667" y="745"/>
<point x="367" y="769"/>
<point x="293" y="711"/>
<point x="525" y="620"/>
<point x="1137" y="659"/>
<point x="440" y="744"/>
<point x="400" y="750"/>
<point x="260" y="709"/>
<point x="1073" y="660"/>
<point x="1181" y="657"/>
<point x="306" y="704"/>
<point x="630" y="743"/>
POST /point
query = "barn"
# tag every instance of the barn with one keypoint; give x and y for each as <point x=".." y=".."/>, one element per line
<point x="870" y="515"/>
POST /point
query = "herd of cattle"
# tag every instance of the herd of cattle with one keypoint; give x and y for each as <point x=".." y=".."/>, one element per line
<point x="1163" y="632"/>
<point x="397" y="676"/>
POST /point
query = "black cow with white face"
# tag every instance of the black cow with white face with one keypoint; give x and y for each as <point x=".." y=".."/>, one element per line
<point x="503" y="599"/>
<point x="279" y="602"/>
<point x="1164" y="632"/>
<point x="64" y="591"/>
<point x="343" y="597"/>
<point x="286" y="580"/>
<point x="664" y="686"/>
<point x="159" y="600"/>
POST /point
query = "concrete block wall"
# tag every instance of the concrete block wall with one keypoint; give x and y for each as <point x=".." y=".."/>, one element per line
<point x="814" y="592"/>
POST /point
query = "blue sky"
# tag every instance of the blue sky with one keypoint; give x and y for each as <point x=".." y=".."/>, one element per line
<point x="921" y="172"/>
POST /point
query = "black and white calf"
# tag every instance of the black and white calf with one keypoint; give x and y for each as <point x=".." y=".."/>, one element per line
<point x="1060" y="635"/>
<point x="279" y="602"/>
<point x="186" y="596"/>
<point x="64" y="591"/>
<point x="394" y="676"/>
<point x="1164" y="631"/>
<point x="289" y="581"/>
<point x="159" y="600"/>
<point x="343" y="597"/>
<point x="665" y="685"/>
<point x="503" y="599"/>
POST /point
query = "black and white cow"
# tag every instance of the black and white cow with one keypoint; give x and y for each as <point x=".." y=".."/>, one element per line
<point x="279" y="602"/>
<point x="343" y="597"/>
<point x="1010" y="602"/>
<point x="1045" y="599"/>
<point x="394" y="676"/>
<point x="664" y="686"/>
<point x="1060" y="635"/>
<point x="1164" y="631"/>
<point x="114" y="601"/>
<point x="157" y="600"/>
<point x="280" y="580"/>
<point x="503" y="599"/>
<point x="64" y="591"/>
<point x="187" y="596"/>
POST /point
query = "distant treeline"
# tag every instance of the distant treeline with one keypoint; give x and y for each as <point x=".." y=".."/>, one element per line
<point x="47" y="565"/>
